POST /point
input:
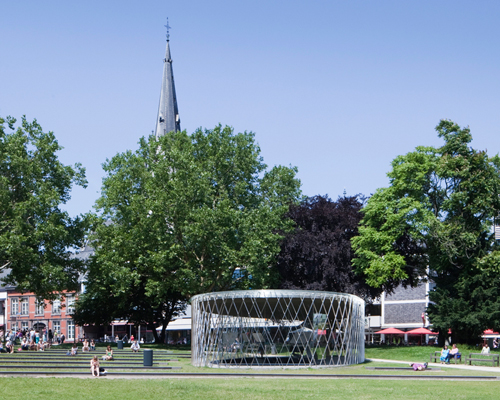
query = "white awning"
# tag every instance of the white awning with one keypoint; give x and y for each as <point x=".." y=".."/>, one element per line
<point x="180" y="324"/>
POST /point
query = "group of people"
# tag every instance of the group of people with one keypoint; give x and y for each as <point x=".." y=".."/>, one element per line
<point x="9" y="348"/>
<point x="33" y="345"/>
<point x="88" y="346"/>
<point x="124" y="339"/>
<point x="183" y="340"/>
<point x="447" y="354"/>
<point x="95" y="368"/>
<point x="30" y="339"/>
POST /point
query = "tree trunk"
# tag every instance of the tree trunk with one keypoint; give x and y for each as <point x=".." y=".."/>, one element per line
<point x="155" y="334"/>
<point x="163" y="330"/>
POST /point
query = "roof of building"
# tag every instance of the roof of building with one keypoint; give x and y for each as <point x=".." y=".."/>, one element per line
<point x="168" y="114"/>
<point x="3" y="274"/>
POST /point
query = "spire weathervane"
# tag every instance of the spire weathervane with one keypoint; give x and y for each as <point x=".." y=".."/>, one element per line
<point x="168" y="30"/>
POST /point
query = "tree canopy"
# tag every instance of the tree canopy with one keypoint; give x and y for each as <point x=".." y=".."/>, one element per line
<point x="435" y="221"/>
<point x="36" y="236"/>
<point x="179" y="216"/>
<point x="317" y="254"/>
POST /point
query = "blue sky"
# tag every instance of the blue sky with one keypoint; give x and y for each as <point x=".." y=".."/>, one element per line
<point x="336" y="88"/>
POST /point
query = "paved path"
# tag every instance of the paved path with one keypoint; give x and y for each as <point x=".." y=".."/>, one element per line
<point x="454" y="366"/>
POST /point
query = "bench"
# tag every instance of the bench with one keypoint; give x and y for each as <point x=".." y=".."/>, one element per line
<point x="437" y="356"/>
<point x="493" y="358"/>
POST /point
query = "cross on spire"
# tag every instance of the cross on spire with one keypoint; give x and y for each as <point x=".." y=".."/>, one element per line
<point x="168" y="30"/>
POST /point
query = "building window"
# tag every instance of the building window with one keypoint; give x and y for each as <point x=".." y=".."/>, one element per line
<point x="56" y="326"/>
<point x="14" y="306"/>
<point x="56" y="307"/>
<point x="70" y="300"/>
<point x="40" y="309"/>
<point x="24" y="325"/>
<point x="25" y="306"/>
<point x="71" y="329"/>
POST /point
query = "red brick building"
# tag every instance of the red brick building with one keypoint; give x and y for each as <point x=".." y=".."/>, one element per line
<point x="23" y="311"/>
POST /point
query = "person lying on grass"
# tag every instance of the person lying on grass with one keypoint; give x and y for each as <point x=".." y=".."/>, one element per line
<point x="418" y="367"/>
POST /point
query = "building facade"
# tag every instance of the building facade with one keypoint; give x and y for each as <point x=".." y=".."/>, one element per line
<point x="24" y="311"/>
<point x="404" y="309"/>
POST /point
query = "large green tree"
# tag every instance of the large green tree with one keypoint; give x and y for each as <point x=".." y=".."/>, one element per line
<point x="434" y="222"/>
<point x="179" y="216"/>
<point x="36" y="236"/>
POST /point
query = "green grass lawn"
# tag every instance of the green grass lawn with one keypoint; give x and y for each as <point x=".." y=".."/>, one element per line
<point x="417" y="353"/>
<point x="245" y="388"/>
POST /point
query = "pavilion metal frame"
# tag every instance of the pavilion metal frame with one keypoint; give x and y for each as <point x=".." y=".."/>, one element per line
<point x="277" y="328"/>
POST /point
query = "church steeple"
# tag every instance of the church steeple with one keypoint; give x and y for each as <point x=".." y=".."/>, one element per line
<point x="168" y="114"/>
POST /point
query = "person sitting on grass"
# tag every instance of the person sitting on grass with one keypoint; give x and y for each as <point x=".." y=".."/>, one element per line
<point x="85" y="346"/>
<point x="418" y="366"/>
<point x="24" y="344"/>
<point x="9" y="347"/>
<point x="135" y="346"/>
<point x="74" y="350"/>
<point x="445" y="352"/>
<point x="109" y="354"/>
<point x="94" y="366"/>
<point x="92" y="345"/>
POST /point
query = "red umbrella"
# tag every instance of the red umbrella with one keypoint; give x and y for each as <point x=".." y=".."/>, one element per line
<point x="420" y="331"/>
<point x="489" y="332"/>
<point x="391" y="331"/>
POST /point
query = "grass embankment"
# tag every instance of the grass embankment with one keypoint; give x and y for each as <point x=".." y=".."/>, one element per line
<point x="408" y="354"/>
<point x="243" y="389"/>
<point x="273" y="388"/>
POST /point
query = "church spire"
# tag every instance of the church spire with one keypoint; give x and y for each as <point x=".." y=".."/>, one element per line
<point x="168" y="114"/>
